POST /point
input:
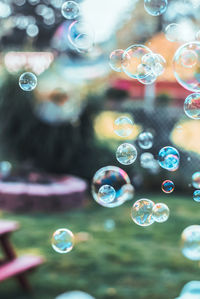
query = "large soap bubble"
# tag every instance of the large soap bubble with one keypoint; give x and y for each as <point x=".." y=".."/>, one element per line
<point x="192" y="106"/>
<point x="187" y="66"/>
<point x="141" y="212"/>
<point x="169" y="158"/>
<point x="155" y="7"/>
<point x="62" y="240"/>
<point x="115" y="177"/>
<point x="132" y="59"/>
<point x="191" y="242"/>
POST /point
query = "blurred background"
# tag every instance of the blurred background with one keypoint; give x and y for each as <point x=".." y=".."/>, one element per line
<point x="64" y="129"/>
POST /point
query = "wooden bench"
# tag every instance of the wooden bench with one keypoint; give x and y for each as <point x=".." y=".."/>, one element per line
<point x="13" y="266"/>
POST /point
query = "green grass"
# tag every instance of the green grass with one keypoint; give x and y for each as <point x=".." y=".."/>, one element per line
<point x="130" y="262"/>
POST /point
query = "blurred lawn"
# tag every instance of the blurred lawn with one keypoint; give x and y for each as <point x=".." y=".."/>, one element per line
<point x="130" y="262"/>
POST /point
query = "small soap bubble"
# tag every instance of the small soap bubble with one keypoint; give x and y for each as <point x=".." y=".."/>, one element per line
<point x="196" y="195"/>
<point x="192" y="106"/>
<point x="123" y="126"/>
<point x="146" y="160"/>
<point x="27" y="81"/>
<point x="167" y="186"/>
<point x="196" y="180"/>
<point x="191" y="242"/>
<point x="62" y="240"/>
<point x="172" y="32"/>
<point x="70" y="10"/>
<point x="155" y="7"/>
<point x="126" y="154"/>
<point x="160" y="212"/>
<point x="169" y="158"/>
<point x="145" y="140"/>
<point x="141" y="212"/>
<point x="106" y="194"/>
<point x="116" y="58"/>
<point x="109" y="225"/>
<point x="112" y="176"/>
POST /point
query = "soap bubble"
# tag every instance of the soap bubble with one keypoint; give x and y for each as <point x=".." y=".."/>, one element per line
<point x="62" y="240"/>
<point x="145" y="140"/>
<point x="132" y="58"/>
<point x="187" y="66"/>
<point x="192" y="106"/>
<point x="126" y="154"/>
<point x="149" y="79"/>
<point x="70" y="10"/>
<point x="196" y="180"/>
<point x="106" y="194"/>
<point x="81" y="36"/>
<point x="123" y="126"/>
<point x="196" y="195"/>
<point x="167" y="186"/>
<point x="109" y="225"/>
<point x="116" y="60"/>
<point x="191" y="242"/>
<point x="115" y="177"/>
<point x="27" y="81"/>
<point x="75" y="295"/>
<point x="141" y="212"/>
<point x="169" y="158"/>
<point x="160" y="212"/>
<point x="173" y="32"/>
<point x="155" y="62"/>
<point x="155" y="7"/>
<point x="146" y="160"/>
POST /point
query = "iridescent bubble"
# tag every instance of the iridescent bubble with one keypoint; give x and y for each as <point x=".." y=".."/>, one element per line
<point x="132" y="58"/>
<point x="167" y="186"/>
<point x="116" y="60"/>
<point x="191" y="242"/>
<point x="141" y="212"/>
<point x="123" y="126"/>
<point x="187" y="67"/>
<point x="106" y="194"/>
<point x="126" y="154"/>
<point x="160" y="212"/>
<point x="173" y="32"/>
<point x="146" y="160"/>
<point x="62" y="240"/>
<point x="81" y="36"/>
<point x="27" y="81"/>
<point x="192" y="106"/>
<point x="169" y="158"/>
<point x="70" y="10"/>
<point x="145" y="140"/>
<point x="155" y="7"/>
<point x="196" y="180"/>
<point x="196" y="195"/>
<point x="112" y="176"/>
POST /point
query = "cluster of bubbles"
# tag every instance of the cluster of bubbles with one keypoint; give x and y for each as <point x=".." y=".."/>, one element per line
<point x="62" y="240"/>
<point x="145" y="212"/>
<point x="28" y="81"/>
<point x="138" y="62"/>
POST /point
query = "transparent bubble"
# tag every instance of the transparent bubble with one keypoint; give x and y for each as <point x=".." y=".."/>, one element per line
<point x="106" y="194"/>
<point x="169" y="158"/>
<point x="196" y="195"/>
<point x="115" y="177"/>
<point x="62" y="240"/>
<point x="173" y="32"/>
<point x="70" y="10"/>
<point x="160" y="212"/>
<point x="155" y="62"/>
<point x="149" y="79"/>
<point x="141" y="212"/>
<point x="145" y="140"/>
<point x="132" y="58"/>
<point x="126" y="154"/>
<point x="116" y="60"/>
<point x="109" y="225"/>
<point x="167" y="186"/>
<point x="187" y="67"/>
<point x="191" y="242"/>
<point x="27" y="81"/>
<point x="192" y="106"/>
<point x="146" y="160"/>
<point x="81" y="36"/>
<point x="155" y="7"/>
<point x="123" y="126"/>
<point x="196" y="180"/>
<point x="32" y="30"/>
